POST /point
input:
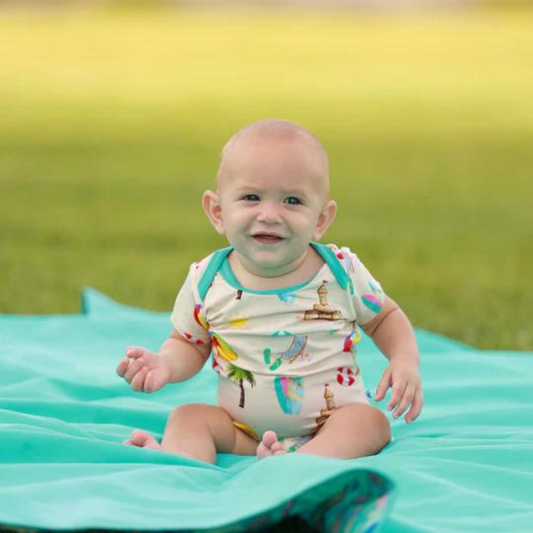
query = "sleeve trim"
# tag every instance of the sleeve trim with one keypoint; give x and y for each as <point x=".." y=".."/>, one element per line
<point x="330" y="257"/>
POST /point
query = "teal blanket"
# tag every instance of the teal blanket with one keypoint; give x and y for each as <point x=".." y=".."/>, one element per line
<point x="464" y="466"/>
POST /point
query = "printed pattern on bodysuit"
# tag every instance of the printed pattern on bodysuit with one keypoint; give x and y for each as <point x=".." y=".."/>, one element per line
<point x="286" y="359"/>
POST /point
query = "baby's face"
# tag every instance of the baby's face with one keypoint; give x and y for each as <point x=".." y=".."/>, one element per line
<point x="273" y="198"/>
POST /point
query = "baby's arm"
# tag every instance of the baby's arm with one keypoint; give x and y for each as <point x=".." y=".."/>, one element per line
<point x="177" y="360"/>
<point x="393" y="334"/>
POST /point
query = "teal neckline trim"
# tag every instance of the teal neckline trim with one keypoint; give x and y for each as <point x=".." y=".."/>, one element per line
<point x="212" y="268"/>
<point x="221" y="264"/>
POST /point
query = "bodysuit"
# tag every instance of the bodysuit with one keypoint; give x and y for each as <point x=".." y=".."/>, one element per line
<point x="285" y="358"/>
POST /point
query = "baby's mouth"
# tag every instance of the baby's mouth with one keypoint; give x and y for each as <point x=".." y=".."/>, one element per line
<point x="267" y="238"/>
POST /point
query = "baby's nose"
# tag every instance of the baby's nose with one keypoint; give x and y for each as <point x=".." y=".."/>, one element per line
<point x="269" y="213"/>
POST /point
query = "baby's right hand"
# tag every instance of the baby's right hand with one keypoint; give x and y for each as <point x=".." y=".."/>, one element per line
<point x="145" y="371"/>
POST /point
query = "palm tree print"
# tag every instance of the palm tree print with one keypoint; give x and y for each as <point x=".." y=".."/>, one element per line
<point x="240" y="375"/>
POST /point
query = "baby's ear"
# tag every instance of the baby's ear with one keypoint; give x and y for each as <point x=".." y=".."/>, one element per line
<point x="327" y="216"/>
<point x="211" y="205"/>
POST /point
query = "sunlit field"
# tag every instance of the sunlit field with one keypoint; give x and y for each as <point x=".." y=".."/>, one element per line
<point x="111" y="126"/>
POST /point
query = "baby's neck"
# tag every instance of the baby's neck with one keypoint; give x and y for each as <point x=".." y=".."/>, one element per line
<point x="296" y="273"/>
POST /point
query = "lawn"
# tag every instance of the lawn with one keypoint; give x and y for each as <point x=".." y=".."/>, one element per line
<point x="112" y="124"/>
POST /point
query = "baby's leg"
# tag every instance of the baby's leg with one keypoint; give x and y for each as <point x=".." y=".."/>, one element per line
<point x="355" y="430"/>
<point x="200" y="431"/>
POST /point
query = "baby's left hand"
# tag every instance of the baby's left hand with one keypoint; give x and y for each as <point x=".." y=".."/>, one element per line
<point x="404" y="378"/>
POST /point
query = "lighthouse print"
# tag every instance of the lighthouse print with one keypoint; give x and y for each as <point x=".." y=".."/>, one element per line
<point x="329" y="400"/>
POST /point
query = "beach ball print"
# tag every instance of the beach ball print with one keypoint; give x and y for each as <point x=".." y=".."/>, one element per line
<point x="346" y="375"/>
<point x="290" y="394"/>
<point x="352" y="339"/>
<point x="344" y="257"/>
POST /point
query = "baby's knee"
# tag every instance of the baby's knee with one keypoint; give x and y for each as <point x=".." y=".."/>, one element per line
<point x="383" y="429"/>
<point x="375" y="422"/>
<point x="192" y="412"/>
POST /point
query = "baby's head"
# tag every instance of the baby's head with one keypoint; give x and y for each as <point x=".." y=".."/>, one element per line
<point x="272" y="195"/>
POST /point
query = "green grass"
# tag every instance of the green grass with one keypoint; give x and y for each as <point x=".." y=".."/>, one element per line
<point x="111" y="126"/>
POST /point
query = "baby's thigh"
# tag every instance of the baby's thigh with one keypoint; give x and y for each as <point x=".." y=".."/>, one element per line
<point x="354" y="430"/>
<point x="360" y="418"/>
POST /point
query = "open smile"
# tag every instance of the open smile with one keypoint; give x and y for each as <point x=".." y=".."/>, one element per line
<point x="267" y="238"/>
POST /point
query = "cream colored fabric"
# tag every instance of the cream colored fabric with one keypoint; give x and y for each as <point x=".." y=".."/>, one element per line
<point x="285" y="358"/>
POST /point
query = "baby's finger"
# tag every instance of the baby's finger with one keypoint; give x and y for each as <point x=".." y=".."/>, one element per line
<point x="397" y="394"/>
<point x="133" y="369"/>
<point x="152" y="383"/>
<point x="137" y="383"/>
<point x="122" y="367"/>
<point x="134" y="352"/>
<point x="407" y="398"/>
<point x="383" y="386"/>
<point x="416" y="407"/>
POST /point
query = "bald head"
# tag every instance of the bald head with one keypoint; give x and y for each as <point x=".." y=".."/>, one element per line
<point x="273" y="134"/>
<point x="272" y="174"/>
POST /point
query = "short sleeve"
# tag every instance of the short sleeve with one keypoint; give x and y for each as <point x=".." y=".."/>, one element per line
<point x="368" y="296"/>
<point x="188" y="314"/>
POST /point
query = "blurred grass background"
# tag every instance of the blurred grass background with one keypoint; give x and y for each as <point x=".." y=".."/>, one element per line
<point x="112" y="123"/>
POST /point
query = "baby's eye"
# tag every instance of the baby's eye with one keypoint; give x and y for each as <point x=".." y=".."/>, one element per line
<point x="292" y="200"/>
<point x="251" y="198"/>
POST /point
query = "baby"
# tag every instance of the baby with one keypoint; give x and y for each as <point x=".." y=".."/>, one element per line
<point x="279" y="313"/>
